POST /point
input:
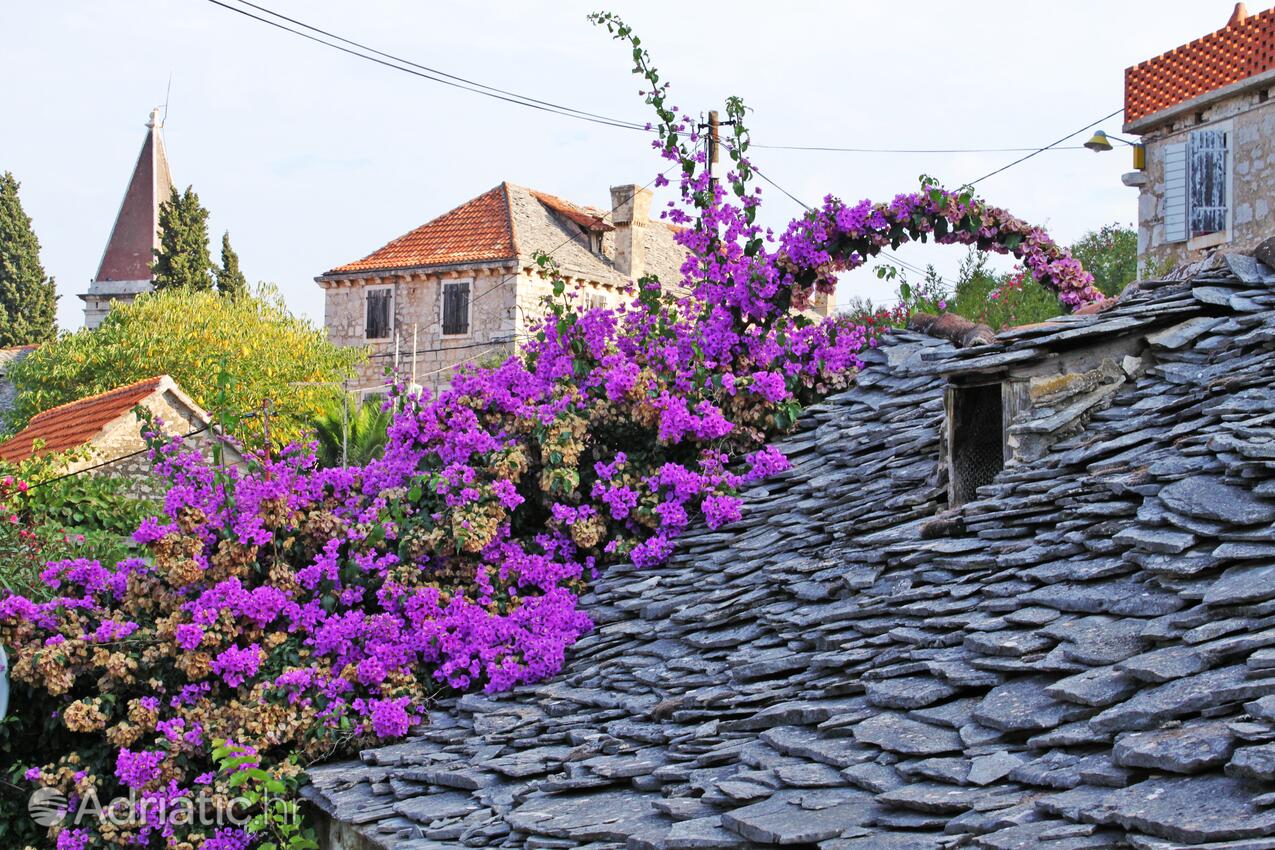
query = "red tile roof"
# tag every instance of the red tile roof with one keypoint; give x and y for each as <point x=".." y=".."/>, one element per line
<point x="1243" y="48"/>
<point x="476" y="231"/>
<point x="587" y="217"/>
<point x="75" y="423"/>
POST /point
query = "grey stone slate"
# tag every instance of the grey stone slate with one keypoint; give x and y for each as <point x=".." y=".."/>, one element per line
<point x="1023" y="705"/>
<point x="1185" y="749"/>
<point x="1082" y="656"/>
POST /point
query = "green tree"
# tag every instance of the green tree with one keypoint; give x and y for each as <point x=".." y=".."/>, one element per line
<point x="1110" y="254"/>
<point x="182" y="258"/>
<point x="230" y="280"/>
<point x="349" y="430"/>
<point x="28" y="299"/>
<point x="233" y="356"/>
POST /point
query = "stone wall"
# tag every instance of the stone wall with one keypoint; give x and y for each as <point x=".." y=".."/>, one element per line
<point x="8" y="392"/>
<point x="122" y="439"/>
<point x="504" y="303"/>
<point x="1252" y="196"/>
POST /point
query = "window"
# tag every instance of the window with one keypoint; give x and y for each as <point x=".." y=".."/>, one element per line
<point x="380" y="313"/>
<point x="975" y="439"/>
<point x="455" y="307"/>
<point x="1197" y="176"/>
<point x="597" y="301"/>
<point x="595" y="241"/>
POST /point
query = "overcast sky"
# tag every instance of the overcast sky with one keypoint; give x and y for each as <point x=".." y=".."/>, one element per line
<point x="311" y="158"/>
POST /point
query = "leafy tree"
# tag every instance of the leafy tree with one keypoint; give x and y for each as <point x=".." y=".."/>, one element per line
<point x="28" y="299"/>
<point x="1000" y="300"/>
<point x="1110" y="254"/>
<point x="357" y="432"/>
<point x="230" y="280"/>
<point x="233" y="356"/>
<point x="182" y="258"/>
<point x="997" y="299"/>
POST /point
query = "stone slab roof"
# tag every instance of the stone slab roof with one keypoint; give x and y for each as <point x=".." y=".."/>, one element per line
<point x="1244" y="48"/>
<point x="1083" y="656"/>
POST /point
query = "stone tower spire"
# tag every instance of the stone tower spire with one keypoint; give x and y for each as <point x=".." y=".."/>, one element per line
<point x="125" y="270"/>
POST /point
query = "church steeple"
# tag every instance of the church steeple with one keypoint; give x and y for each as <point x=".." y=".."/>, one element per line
<point x="124" y="272"/>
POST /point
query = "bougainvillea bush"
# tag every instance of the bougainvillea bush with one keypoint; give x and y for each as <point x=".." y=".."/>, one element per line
<point x="287" y="610"/>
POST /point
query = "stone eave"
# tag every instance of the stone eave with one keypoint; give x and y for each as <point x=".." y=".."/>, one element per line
<point x="1150" y="122"/>
<point x="336" y="278"/>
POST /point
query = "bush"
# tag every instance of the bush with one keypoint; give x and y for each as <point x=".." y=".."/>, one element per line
<point x="1110" y="254"/>
<point x="231" y="355"/>
<point x="301" y="612"/>
<point x="350" y="432"/>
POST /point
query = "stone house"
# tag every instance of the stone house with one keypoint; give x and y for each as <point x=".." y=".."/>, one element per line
<point x="465" y="286"/>
<point x="103" y="433"/>
<point x="9" y="357"/>
<point x="1014" y="595"/>
<point x="125" y="269"/>
<point x="1207" y="122"/>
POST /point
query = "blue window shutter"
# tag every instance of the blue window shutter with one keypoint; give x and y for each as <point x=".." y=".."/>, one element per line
<point x="1206" y="171"/>
<point x="1175" y="193"/>
<point x="4" y="684"/>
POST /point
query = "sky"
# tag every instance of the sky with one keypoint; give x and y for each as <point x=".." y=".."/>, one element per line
<point x="312" y="158"/>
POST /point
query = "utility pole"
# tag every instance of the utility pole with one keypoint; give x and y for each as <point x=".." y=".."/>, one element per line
<point x="714" y="148"/>
<point x="345" y="424"/>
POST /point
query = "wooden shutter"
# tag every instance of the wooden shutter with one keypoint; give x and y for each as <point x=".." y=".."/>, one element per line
<point x="1206" y="170"/>
<point x="456" y="308"/>
<point x="1175" y="193"/>
<point x="378" y="313"/>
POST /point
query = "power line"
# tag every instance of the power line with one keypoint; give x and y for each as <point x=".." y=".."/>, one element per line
<point x="830" y="149"/>
<point x="439" y="72"/>
<point x="434" y="76"/>
<point x="466" y="84"/>
<point x="1047" y="147"/>
<point x="113" y="460"/>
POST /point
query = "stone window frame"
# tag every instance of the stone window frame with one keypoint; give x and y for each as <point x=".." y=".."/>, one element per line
<point x="392" y="327"/>
<point x="954" y="436"/>
<point x="469" y="306"/>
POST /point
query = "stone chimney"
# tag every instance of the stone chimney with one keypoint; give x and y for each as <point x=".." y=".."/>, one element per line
<point x="631" y="214"/>
<point x="1238" y="16"/>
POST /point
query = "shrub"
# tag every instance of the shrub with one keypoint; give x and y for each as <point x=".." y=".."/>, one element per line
<point x="351" y="433"/>
<point x="304" y="612"/>
<point x="231" y="355"/>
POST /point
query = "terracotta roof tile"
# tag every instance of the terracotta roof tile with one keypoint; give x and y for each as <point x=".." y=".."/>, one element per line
<point x="75" y="423"/>
<point x="587" y="217"/>
<point x="1243" y="48"/>
<point x="476" y="231"/>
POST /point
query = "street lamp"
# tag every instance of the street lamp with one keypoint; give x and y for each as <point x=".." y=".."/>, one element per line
<point x="1100" y="141"/>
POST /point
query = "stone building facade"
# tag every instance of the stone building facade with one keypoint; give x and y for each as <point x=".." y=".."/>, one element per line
<point x="1207" y="124"/>
<point x="465" y="287"/>
<point x="102" y="433"/>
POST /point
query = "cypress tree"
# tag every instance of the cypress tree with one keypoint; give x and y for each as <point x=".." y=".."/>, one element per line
<point x="230" y="280"/>
<point x="28" y="299"/>
<point x="182" y="258"/>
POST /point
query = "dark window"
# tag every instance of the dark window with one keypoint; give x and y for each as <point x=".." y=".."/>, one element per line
<point x="976" y="435"/>
<point x="456" y="308"/>
<point x="1206" y="168"/>
<point x="379" y="302"/>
